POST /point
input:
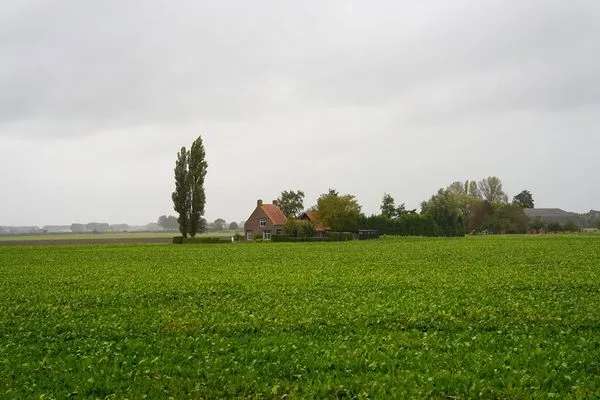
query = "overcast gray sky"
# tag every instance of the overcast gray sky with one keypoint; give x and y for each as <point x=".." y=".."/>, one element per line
<point x="368" y="97"/>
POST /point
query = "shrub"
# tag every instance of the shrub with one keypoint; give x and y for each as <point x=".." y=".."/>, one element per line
<point x="201" y="240"/>
<point x="299" y="228"/>
<point x="339" y="236"/>
<point x="285" y="238"/>
<point x="410" y="224"/>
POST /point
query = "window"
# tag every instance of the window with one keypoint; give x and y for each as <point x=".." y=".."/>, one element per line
<point x="267" y="235"/>
<point x="262" y="222"/>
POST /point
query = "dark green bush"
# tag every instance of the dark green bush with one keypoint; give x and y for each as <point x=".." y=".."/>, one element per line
<point x="285" y="238"/>
<point x="339" y="236"/>
<point x="296" y="227"/>
<point x="405" y="225"/>
<point x="199" y="240"/>
<point x="330" y="237"/>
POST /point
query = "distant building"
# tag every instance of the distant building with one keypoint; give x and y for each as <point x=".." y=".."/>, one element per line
<point x="119" y="228"/>
<point x="313" y="217"/>
<point x="558" y="216"/>
<point x="265" y="220"/>
<point x="20" y="230"/>
<point x="57" y="228"/>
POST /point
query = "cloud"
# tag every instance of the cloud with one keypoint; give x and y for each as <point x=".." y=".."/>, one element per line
<point x="370" y="97"/>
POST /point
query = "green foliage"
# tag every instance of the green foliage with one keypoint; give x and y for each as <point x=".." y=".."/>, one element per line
<point x="329" y="237"/>
<point x="445" y="210"/>
<point x="291" y="203"/>
<point x="556" y="227"/>
<point x="389" y="209"/>
<point x="507" y="218"/>
<point x="494" y="317"/>
<point x="524" y="199"/>
<point x="340" y="213"/>
<point x="182" y="200"/>
<point x="478" y="215"/>
<point x="238" y="237"/>
<point x="388" y="206"/>
<point x="287" y="238"/>
<point x="339" y="236"/>
<point x="491" y="190"/>
<point x="233" y="226"/>
<point x="189" y="198"/>
<point x="201" y="240"/>
<point x="409" y="224"/>
<point x="478" y="208"/>
<point x="537" y="224"/>
<point x="196" y="176"/>
<point x="298" y="228"/>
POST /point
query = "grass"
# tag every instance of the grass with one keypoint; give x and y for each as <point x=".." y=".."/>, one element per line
<point x="489" y="317"/>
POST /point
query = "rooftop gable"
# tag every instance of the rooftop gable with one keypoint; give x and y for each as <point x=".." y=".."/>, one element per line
<point x="274" y="213"/>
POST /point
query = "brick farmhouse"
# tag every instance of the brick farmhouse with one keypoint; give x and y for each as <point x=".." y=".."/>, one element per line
<point x="266" y="220"/>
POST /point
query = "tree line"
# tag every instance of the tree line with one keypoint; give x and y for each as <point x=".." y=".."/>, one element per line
<point x="461" y="207"/>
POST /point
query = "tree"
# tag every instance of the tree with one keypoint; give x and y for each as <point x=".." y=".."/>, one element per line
<point x="196" y="175"/>
<point x="202" y="225"/>
<point x="291" y="203"/>
<point x="445" y="209"/>
<point x="233" y="226"/>
<point x="219" y="224"/>
<point x="524" y="199"/>
<point x="507" y="218"/>
<point x="340" y="213"/>
<point x="168" y="223"/>
<point x="491" y="190"/>
<point x="182" y="196"/>
<point x="298" y="228"/>
<point x="388" y="206"/>
<point x="479" y="214"/>
<point x="472" y="190"/>
<point x="458" y="188"/>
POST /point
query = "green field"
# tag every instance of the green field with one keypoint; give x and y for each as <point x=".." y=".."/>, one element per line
<point x="490" y="317"/>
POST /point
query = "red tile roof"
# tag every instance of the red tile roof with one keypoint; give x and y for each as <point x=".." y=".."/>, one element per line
<point x="274" y="213"/>
<point x="313" y="216"/>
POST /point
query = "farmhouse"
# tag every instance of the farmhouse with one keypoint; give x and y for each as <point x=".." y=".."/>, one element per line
<point x="313" y="217"/>
<point x="266" y="220"/>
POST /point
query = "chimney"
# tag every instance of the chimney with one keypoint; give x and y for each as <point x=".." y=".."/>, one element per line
<point x="258" y="203"/>
<point x="275" y="203"/>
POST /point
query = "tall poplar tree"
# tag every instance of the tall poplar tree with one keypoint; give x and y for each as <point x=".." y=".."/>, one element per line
<point x="197" y="173"/>
<point x="182" y="195"/>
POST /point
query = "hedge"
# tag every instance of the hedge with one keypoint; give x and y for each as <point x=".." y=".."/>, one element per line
<point x="285" y="238"/>
<point x="330" y="237"/>
<point x="204" y="240"/>
<point x="339" y="236"/>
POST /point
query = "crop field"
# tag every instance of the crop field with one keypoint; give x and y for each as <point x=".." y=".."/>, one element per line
<point x="99" y="238"/>
<point x="488" y="317"/>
